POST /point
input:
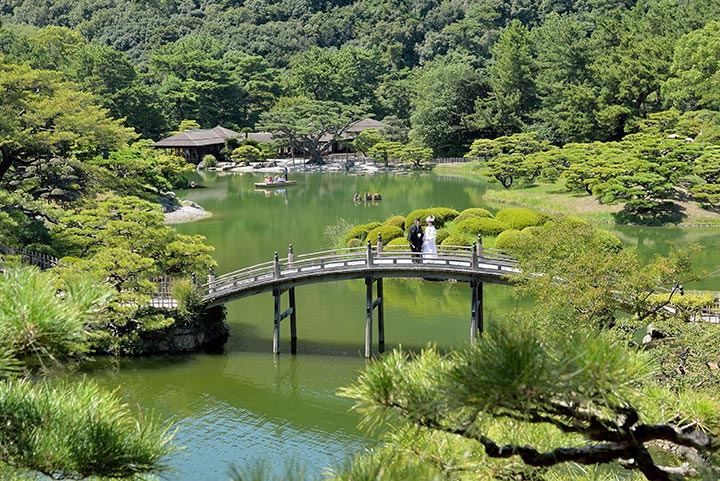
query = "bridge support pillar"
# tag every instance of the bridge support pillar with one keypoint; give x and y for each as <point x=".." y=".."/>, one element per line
<point x="476" y="309"/>
<point x="279" y="316"/>
<point x="370" y="305"/>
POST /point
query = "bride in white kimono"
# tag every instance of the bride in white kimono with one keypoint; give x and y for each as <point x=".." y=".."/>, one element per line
<point x="429" y="249"/>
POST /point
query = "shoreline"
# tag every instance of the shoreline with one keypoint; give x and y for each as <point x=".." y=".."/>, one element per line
<point x="587" y="207"/>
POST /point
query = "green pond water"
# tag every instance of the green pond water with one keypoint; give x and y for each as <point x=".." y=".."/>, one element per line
<point x="246" y="407"/>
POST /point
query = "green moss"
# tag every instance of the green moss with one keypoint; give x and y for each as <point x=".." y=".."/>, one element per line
<point x="482" y="226"/>
<point x="396" y="220"/>
<point x="387" y="233"/>
<point x="519" y="217"/>
<point x="354" y="242"/>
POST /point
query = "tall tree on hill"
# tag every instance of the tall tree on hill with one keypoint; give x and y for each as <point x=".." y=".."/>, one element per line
<point x="42" y="116"/>
<point x="444" y="95"/>
<point x="310" y="127"/>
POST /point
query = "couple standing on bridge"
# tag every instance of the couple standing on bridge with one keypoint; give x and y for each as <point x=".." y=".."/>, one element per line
<point x="422" y="242"/>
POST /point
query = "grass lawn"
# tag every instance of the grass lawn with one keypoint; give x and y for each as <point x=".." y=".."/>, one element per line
<point x="553" y="198"/>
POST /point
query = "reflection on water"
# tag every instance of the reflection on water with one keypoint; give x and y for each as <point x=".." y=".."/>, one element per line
<point x="246" y="405"/>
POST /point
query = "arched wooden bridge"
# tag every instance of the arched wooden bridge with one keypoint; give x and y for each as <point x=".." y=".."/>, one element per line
<point x="466" y="264"/>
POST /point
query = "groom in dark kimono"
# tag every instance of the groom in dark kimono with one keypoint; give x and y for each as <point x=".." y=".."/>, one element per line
<point x="415" y="237"/>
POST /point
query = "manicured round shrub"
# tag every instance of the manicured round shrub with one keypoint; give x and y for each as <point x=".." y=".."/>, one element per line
<point x="360" y="231"/>
<point x="398" y="244"/>
<point x="441" y="214"/>
<point x="442" y="234"/>
<point x="509" y="239"/>
<point x="396" y="220"/>
<point x="456" y="240"/>
<point x="481" y="225"/>
<point x="209" y="161"/>
<point x="354" y="242"/>
<point x="519" y="217"/>
<point x="473" y="212"/>
<point x="608" y="240"/>
<point x="387" y="233"/>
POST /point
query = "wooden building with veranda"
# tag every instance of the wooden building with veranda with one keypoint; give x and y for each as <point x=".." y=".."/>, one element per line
<point x="194" y="144"/>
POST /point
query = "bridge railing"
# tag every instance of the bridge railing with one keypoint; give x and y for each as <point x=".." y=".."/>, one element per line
<point x="462" y="258"/>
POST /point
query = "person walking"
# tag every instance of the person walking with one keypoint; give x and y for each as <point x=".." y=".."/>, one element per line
<point x="429" y="248"/>
<point x="415" y="238"/>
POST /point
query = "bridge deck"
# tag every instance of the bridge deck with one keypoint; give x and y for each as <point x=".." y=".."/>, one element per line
<point x="459" y="263"/>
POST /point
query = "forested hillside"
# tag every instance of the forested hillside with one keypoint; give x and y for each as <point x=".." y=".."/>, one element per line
<point x="451" y="71"/>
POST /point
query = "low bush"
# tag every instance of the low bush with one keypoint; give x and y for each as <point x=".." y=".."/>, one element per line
<point x="398" y="244"/>
<point x="482" y="226"/>
<point x="610" y="241"/>
<point x="442" y="234"/>
<point x="473" y="212"/>
<point x="456" y="240"/>
<point x="209" y="161"/>
<point x="441" y="214"/>
<point x="387" y="233"/>
<point x="354" y="242"/>
<point x="360" y="231"/>
<point x="509" y="239"/>
<point x="519" y="217"/>
<point x="397" y="221"/>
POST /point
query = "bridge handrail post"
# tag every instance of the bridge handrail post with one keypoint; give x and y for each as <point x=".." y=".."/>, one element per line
<point x="474" y="256"/>
<point x="369" y="255"/>
<point x="479" y="246"/>
<point x="291" y="256"/>
<point x="211" y="280"/>
<point x="276" y="266"/>
<point x="379" y="245"/>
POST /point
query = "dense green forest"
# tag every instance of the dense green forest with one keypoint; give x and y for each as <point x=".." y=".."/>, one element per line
<point x="619" y="99"/>
<point x="572" y="71"/>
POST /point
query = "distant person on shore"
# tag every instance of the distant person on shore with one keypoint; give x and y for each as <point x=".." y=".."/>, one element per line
<point x="429" y="248"/>
<point x="415" y="237"/>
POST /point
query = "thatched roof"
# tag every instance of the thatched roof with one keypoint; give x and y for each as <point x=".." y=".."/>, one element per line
<point x="214" y="136"/>
<point x="365" y="124"/>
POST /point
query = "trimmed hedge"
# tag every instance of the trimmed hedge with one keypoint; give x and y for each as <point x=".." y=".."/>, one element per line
<point x="441" y="214"/>
<point x="387" y="233"/>
<point x="473" y="212"/>
<point x="609" y="240"/>
<point x="507" y="240"/>
<point x="442" y="234"/>
<point x="354" y="242"/>
<point x="396" y="220"/>
<point x="398" y="244"/>
<point x="456" y="240"/>
<point x="482" y="226"/>
<point x="360" y="231"/>
<point x="519" y="217"/>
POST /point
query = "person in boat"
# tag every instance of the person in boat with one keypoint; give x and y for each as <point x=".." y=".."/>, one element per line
<point x="285" y="173"/>
<point x="368" y="196"/>
<point x="377" y="196"/>
<point x="278" y="178"/>
<point x="268" y="179"/>
<point x="356" y="197"/>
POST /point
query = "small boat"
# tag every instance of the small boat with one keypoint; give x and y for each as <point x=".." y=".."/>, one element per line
<point x="274" y="185"/>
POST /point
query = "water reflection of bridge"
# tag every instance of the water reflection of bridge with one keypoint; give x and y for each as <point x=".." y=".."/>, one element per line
<point x="474" y="265"/>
